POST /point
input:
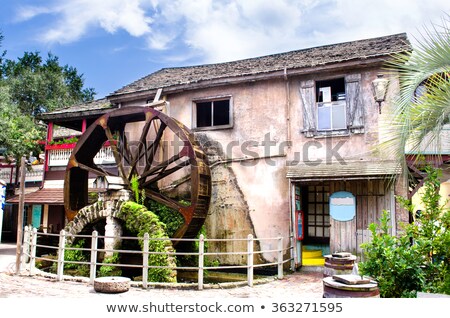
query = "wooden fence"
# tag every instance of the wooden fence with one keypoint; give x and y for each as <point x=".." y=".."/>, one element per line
<point x="30" y="245"/>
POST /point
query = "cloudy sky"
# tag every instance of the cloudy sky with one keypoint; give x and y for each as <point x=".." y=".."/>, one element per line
<point x="114" y="42"/>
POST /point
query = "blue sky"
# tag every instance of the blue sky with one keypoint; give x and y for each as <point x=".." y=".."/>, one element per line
<point x="114" y="42"/>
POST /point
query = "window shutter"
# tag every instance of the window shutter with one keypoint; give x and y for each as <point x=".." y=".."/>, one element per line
<point x="309" y="107"/>
<point x="355" y="107"/>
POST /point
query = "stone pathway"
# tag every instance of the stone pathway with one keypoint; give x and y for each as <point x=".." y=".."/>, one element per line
<point x="298" y="284"/>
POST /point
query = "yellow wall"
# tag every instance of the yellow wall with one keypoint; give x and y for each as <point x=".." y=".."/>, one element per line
<point x="444" y="192"/>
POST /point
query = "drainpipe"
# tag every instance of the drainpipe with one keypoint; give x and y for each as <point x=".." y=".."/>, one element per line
<point x="288" y="108"/>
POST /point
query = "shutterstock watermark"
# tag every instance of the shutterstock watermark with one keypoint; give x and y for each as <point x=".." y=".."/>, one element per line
<point x="175" y="151"/>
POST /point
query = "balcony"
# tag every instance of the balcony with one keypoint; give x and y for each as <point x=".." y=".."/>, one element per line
<point x="58" y="155"/>
<point x="8" y="173"/>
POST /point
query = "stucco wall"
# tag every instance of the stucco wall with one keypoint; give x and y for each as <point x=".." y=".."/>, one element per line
<point x="248" y="161"/>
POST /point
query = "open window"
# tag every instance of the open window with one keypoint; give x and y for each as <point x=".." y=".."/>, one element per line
<point x="215" y="113"/>
<point x="332" y="106"/>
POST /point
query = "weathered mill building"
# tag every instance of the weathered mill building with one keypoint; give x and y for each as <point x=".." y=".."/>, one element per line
<point x="290" y="142"/>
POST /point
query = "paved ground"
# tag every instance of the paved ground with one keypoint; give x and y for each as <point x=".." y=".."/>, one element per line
<point x="299" y="284"/>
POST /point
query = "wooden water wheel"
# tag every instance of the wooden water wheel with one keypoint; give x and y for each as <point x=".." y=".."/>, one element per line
<point x="157" y="150"/>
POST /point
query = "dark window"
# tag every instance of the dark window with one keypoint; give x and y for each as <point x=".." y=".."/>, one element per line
<point x="204" y="114"/>
<point x="212" y="113"/>
<point x="221" y="113"/>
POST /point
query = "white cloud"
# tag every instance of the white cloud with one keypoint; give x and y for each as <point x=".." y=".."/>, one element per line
<point x="76" y="17"/>
<point x="29" y="12"/>
<point x="233" y="29"/>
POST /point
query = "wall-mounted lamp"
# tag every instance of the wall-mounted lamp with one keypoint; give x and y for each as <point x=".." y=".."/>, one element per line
<point x="379" y="86"/>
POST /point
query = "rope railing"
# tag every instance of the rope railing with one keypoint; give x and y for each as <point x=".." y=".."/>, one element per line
<point x="30" y="247"/>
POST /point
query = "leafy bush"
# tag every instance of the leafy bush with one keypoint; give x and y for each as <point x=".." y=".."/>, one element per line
<point x="419" y="258"/>
<point x="74" y="256"/>
<point x="392" y="261"/>
<point x="140" y="221"/>
<point x="108" y="270"/>
<point x="192" y="260"/>
<point x="171" y="218"/>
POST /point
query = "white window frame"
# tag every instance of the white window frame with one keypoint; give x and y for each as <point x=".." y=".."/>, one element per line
<point x="330" y="105"/>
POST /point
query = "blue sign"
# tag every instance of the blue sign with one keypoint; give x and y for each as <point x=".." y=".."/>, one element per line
<point x="36" y="216"/>
<point x="2" y="204"/>
<point x="342" y="206"/>
<point x="2" y="194"/>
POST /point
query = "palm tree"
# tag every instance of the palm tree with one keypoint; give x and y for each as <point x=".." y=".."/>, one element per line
<point x="422" y="108"/>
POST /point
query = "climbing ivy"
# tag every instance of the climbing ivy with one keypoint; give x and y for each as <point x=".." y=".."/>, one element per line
<point x="171" y="218"/>
<point x="139" y="220"/>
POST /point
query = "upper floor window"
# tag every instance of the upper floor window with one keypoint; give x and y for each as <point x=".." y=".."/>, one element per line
<point x="331" y="110"/>
<point x="332" y="106"/>
<point x="212" y="113"/>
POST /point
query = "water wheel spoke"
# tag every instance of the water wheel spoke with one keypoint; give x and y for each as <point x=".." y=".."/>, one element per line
<point x="152" y="149"/>
<point x="166" y="172"/>
<point x="96" y="170"/>
<point x="161" y="166"/>
<point x="125" y="149"/>
<point x="116" y="154"/>
<point x="161" y="198"/>
<point x="139" y="154"/>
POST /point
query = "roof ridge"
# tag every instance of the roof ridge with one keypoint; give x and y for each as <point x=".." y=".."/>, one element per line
<point x="282" y="53"/>
<point x="306" y="57"/>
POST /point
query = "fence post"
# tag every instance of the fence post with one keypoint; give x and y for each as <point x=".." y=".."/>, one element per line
<point x="201" y="251"/>
<point x="33" y="251"/>
<point x="145" y="261"/>
<point x="26" y="246"/>
<point x="280" y="257"/>
<point x="250" y="260"/>
<point x="94" y="251"/>
<point x="61" y="247"/>
<point x="291" y="248"/>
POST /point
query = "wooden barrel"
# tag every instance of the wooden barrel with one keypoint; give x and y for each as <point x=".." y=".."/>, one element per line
<point x="338" y="265"/>
<point x="335" y="289"/>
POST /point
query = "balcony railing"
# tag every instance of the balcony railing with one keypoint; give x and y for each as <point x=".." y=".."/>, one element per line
<point x="58" y="155"/>
<point x="8" y="173"/>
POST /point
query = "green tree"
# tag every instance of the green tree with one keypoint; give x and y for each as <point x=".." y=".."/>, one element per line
<point x="423" y="104"/>
<point x="2" y="55"/>
<point x="18" y="132"/>
<point x="28" y="86"/>
<point x="39" y="85"/>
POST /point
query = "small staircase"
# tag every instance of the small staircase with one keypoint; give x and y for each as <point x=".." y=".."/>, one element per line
<point x="312" y="258"/>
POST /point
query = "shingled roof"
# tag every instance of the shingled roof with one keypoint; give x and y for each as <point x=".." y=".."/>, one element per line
<point x="92" y="108"/>
<point x="306" y="58"/>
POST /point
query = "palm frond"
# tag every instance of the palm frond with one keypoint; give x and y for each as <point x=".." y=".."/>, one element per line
<point x="417" y="121"/>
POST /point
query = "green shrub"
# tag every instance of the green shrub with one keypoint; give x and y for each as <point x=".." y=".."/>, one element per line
<point x="172" y="219"/>
<point x="391" y="261"/>
<point x="74" y="256"/>
<point x="139" y="221"/>
<point x="419" y="258"/>
<point x="192" y="260"/>
<point x="109" y="270"/>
